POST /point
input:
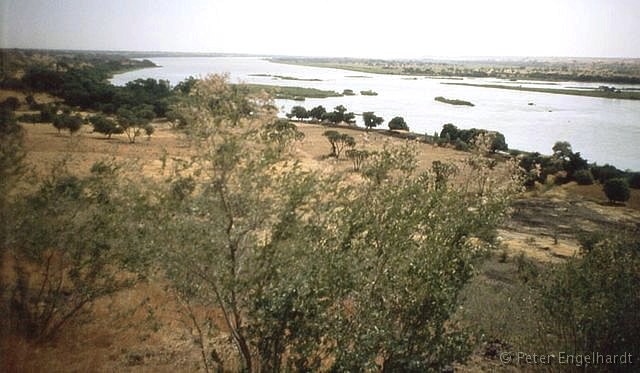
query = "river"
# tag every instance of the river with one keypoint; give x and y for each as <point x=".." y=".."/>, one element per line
<point x="603" y="130"/>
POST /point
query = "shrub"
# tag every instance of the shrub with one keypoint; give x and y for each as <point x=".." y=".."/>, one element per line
<point x="339" y="141"/>
<point x="348" y="92"/>
<point x="617" y="190"/>
<point x="12" y="103"/>
<point x="398" y="123"/>
<point x="461" y="145"/>
<point x="583" y="177"/>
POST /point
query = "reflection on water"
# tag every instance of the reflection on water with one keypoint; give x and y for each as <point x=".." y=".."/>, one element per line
<point x="602" y="130"/>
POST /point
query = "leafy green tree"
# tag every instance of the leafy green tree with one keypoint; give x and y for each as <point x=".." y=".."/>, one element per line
<point x="133" y="121"/>
<point x="617" y="190"/>
<point x="371" y="120"/>
<point x="339" y="141"/>
<point x="105" y="126"/>
<point x="398" y="123"/>
<point x="299" y="112"/>
<point x="317" y="112"/>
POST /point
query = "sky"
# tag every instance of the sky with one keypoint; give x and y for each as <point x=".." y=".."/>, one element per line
<point x="346" y="28"/>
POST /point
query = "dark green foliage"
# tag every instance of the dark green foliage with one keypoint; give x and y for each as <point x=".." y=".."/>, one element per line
<point x="368" y="93"/>
<point x="186" y="85"/>
<point x="12" y="103"/>
<point x="583" y="177"/>
<point x="456" y="137"/>
<point x="317" y="112"/>
<point x="104" y="125"/>
<point x="298" y="112"/>
<point x="398" y="123"/>
<point x="348" y="92"/>
<point x="339" y="115"/>
<point x="606" y="172"/>
<point x="66" y="121"/>
<point x="617" y="190"/>
<point x="339" y="141"/>
<point x="371" y="120"/>
<point x="634" y="180"/>
<point x="592" y="302"/>
<point x="47" y="113"/>
<point x="29" y="118"/>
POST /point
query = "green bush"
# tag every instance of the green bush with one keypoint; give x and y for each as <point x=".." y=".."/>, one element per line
<point x="583" y="177"/>
<point x="617" y="190"/>
<point x="398" y="123"/>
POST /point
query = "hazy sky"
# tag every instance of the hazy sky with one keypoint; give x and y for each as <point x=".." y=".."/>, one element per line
<point x="387" y="29"/>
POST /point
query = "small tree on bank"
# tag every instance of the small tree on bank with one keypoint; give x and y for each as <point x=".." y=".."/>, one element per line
<point x="398" y="123"/>
<point x="371" y="120"/>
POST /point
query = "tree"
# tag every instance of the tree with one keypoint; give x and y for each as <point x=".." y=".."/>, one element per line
<point x="562" y="150"/>
<point x="73" y="123"/>
<point x="371" y="120"/>
<point x="317" y="112"/>
<point x="133" y="121"/>
<point x="634" y="180"/>
<point x="104" y="125"/>
<point x="583" y="177"/>
<point x="340" y="115"/>
<point x="358" y="157"/>
<point x="398" y="123"/>
<point x="299" y="112"/>
<point x="338" y="142"/>
<point x="616" y="190"/>
<point x="450" y="132"/>
<point x="213" y="246"/>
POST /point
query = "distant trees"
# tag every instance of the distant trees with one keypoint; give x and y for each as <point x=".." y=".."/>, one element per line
<point x="318" y="112"/>
<point x="339" y="115"/>
<point x="371" y="120"/>
<point x="12" y="103"/>
<point x="463" y="139"/>
<point x="298" y="112"/>
<point x="398" y="123"/>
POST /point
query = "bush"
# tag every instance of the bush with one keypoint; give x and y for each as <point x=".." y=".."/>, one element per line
<point x="583" y="177"/>
<point x="12" y="103"/>
<point x="591" y="303"/>
<point x="398" y="123"/>
<point x="634" y="180"/>
<point x="461" y="145"/>
<point x="617" y="190"/>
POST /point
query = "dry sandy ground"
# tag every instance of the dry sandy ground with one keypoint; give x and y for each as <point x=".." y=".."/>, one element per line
<point x="142" y="329"/>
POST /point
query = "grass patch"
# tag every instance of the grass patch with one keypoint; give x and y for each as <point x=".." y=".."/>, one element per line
<point x="453" y="101"/>
<point x="628" y="95"/>
<point x="292" y="93"/>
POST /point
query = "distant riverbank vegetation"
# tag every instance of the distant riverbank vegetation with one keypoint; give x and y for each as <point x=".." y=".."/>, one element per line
<point x="283" y="77"/>
<point x="602" y="92"/>
<point x="620" y="71"/>
<point x="453" y="101"/>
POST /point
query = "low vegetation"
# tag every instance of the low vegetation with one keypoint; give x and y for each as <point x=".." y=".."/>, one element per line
<point x="453" y="101"/>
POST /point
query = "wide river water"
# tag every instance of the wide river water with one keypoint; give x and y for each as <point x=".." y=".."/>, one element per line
<point x="602" y="130"/>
